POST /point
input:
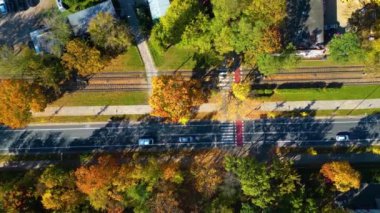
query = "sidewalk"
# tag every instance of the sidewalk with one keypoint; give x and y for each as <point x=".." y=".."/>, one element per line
<point x="128" y="8"/>
<point x="268" y="106"/>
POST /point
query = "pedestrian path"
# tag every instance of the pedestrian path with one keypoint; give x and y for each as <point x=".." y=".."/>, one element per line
<point x="267" y="106"/>
<point x="321" y="105"/>
<point x="128" y="10"/>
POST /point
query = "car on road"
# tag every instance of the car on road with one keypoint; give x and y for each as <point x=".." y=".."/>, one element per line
<point x="186" y="139"/>
<point x="3" y="8"/>
<point x="342" y="137"/>
<point x="60" y="5"/>
<point x="145" y="141"/>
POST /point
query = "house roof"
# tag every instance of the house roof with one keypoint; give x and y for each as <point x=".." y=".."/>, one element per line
<point x="43" y="41"/>
<point x="79" y="21"/>
<point x="158" y="8"/>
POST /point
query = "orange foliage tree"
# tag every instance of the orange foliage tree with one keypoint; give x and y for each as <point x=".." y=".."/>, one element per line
<point x="207" y="172"/>
<point x="343" y="176"/>
<point x="17" y="98"/>
<point x="175" y="98"/>
<point x="82" y="58"/>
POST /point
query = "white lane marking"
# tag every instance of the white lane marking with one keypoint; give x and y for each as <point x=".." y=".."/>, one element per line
<point x="116" y="145"/>
<point x="88" y="127"/>
<point x="225" y="125"/>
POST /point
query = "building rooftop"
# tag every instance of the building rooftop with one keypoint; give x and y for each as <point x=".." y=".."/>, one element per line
<point x="43" y="41"/>
<point x="79" y="21"/>
<point x="158" y="8"/>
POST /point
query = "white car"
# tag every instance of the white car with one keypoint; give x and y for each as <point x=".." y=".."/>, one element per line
<point x="60" y="5"/>
<point x="145" y="141"/>
<point x="186" y="139"/>
<point x="342" y="137"/>
<point x="3" y="8"/>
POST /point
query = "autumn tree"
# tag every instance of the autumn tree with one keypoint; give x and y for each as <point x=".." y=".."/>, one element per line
<point x="81" y="58"/>
<point x="207" y="172"/>
<point x="18" y="98"/>
<point x="18" y="193"/>
<point x="108" y="33"/>
<point x="241" y="90"/>
<point x="114" y="187"/>
<point x="165" y="200"/>
<point x="343" y="176"/>
<point x="175" y="98"/>
<point x="265" y="184"/>
<point x="60" y="192"/>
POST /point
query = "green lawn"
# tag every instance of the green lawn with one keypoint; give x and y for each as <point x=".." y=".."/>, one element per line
<point x="175" y="58"/>
<point x="102" y="98"/>
<point x="83" y="119"/>
<point x="129" y="61"/>
<point x="344" y="93"/>
<point x="323" y="63"/>
<point x="356" y="112"/>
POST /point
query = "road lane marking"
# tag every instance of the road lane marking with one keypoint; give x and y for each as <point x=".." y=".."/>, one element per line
<point x="117" y="145"/>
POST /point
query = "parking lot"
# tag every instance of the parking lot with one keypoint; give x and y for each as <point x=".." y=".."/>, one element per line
<point x="24" y="16"/>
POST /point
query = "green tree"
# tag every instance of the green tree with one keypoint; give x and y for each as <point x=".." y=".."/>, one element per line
<point x="246" y="27"/>
<point x="373" y="56"/>
<point x="264" y="184"/>
<point x="345" y="48"/>
<point x="108" y="33"/>
<point x="59" y="28"/>
<point x="82" y="58"/>
<point x="269" y="64"/>
<point x="169" y="29"/>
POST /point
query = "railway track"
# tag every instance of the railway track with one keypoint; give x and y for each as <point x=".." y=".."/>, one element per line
<point x="136" y="81"/>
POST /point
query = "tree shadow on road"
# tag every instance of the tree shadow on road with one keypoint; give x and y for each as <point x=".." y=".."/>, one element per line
<point x="294" y="128"/>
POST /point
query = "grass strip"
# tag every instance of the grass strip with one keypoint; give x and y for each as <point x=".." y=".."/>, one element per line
<point x="85" y="119"/>
<point x="102" y="98"/>
<point x="309" y="94"/>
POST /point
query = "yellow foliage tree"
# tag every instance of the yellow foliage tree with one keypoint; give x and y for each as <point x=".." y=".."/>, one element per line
<point x="17" y="99"/>
<point x="343" y="176"/>
<point x="81" y="58"/>
<point x="241" y="90"/>
<point x="175" y="98"/>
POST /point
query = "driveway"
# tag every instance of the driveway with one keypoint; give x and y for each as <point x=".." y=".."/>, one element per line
<point x="24" y="17"/>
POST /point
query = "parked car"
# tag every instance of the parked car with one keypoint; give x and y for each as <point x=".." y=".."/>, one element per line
<point x="145" y="141"/>
<point x="342" y="137"/>
<point x="186" y="139"/>
<point x="3" y="8"/>
<point x="60" y="5"/>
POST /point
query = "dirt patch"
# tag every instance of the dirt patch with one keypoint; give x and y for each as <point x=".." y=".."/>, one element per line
<point x="16" y="26"/>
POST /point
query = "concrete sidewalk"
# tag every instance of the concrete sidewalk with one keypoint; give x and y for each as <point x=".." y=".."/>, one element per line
<point x="321" y="105"/>
<point x="106" y="110"/>
<point x="267" y="106"/>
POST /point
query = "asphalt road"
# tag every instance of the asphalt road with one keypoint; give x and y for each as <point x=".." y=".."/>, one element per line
<point x="119" y="135"/>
